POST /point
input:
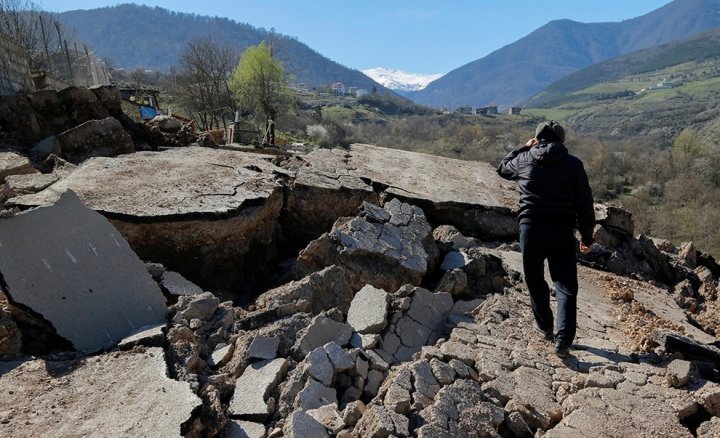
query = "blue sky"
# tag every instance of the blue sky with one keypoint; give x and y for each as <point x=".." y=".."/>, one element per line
<point x="419" y="36"/>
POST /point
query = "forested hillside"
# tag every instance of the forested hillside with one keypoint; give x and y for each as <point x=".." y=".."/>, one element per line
<point x="135" y="36"/>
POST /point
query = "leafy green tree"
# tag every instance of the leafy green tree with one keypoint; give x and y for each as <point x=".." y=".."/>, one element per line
<point x="259" y="83"/>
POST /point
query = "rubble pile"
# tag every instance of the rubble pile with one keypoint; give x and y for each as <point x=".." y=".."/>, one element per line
<point x="399" y="309"/>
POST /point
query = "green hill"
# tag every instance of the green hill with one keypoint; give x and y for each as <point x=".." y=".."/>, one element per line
<point x="655" y="93"/>
<point x="514" y="73"/>
<point x="135" y="36"/>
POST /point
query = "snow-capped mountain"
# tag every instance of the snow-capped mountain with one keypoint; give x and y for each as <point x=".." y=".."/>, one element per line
<point x="395" y="79"/>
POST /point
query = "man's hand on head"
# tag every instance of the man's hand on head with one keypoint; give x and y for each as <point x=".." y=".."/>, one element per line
<point x="532" y="142"/>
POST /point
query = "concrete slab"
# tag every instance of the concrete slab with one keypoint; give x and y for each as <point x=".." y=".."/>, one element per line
<point x="126" y="394"/>
<point x="151" y="336"/>
<point x="191" y="181"/>
<point x="466" y="194"/>
<point x="253" y="387"/>
<point x="68" y="264"/>
<point x="177" y="285"/>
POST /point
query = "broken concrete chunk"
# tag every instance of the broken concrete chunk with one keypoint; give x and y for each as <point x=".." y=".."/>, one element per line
<point x="454" y="260"/>
<point x="263" y="347"/>
<point x="315" y="395"/>
<point x="220" y="356"/>
<point x="615" y="218"/>
<point x="324" y="290"/>
<point x="302" y="425"/>
<point x="366" y="342"/>
<point x="384" y="254"/>
<point x="95" y="138"/>
<point x="368" y="310"/>
<point x="178" y="285"/>
<point x="244" y="429"/>
<point x="450" y="238"/>
<point x="321" y="331"/>
<point x="253" y="387"/>
<point x="31" y="183"/>
<point x="709" y="397"/>
<point x="200" y="306"/>
<point x="150" y="336"/>
<point x="86" y="281"/>
<point x="14" y="164"/>
<point x="329" y="416"/>
<point x="353" y="411"/>
<point x="679" y="372"/>
<point x="340" y="359"/>
<point x="319" y="366"/>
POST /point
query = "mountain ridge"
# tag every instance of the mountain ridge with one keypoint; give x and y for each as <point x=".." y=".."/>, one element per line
<point x="396" y="79"/>
<point x="126" y="34"/>
<point x="517" y="71"/>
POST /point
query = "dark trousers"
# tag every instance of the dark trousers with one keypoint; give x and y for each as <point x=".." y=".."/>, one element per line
<point x="556" y="243"/>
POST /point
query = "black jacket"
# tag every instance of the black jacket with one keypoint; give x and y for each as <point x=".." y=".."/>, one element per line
<point x="553" y="185"/>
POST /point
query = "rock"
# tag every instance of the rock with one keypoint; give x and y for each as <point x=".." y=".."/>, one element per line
<point x="253" y="387"/>
<point x="450" y="238"/>
<point x="353" y="412"/>
<point x="324" y="290"/>
<point x="459" y="410"/>
<point x="302" y="425"/>
<point x="366" y="342"/>
<point x="454" y="260"/>
<point x="689" y="348"/>
<point x="220" y="356"/>
<point x="688" y="254"/>
<point x="31" y="183"/>
<point x="14" y="164"/>
<point x="244" y="429"/>
<point x="321" y="331"/>
<point x="420" y="325"/>
<point x="708" y="396"/>
<point x="110" y="392"/>
<point x="709" y="429"/>
<point x="95" y="138"/>
<point x="341" y="361"/>
<point x="109" y="97"/>
<point x="330" y="417"/>
<point x="376" y="423"/>
<point x="319" y="366"/>
<point x="374" y="380"/>
<point x="45" y="147"/>
<point x="679" y="373"/>
<point x="149" y="336"/>
<point x="200" y="306"/>
<point x="615" y="218"/>
<point x="178" y="285"/>
<point x="454" y="282"/>
<point x="384" y="254"/>
<point x="263" y="347"/>
<point x="368" y="310"/>
<point x="315" y="395"/>
<point x="86" y="281"/>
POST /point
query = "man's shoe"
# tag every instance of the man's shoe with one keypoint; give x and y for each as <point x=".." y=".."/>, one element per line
<point x="546" y="334"/>
<point x="561" y="349"/>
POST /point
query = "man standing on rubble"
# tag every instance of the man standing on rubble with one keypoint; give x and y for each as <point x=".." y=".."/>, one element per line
<point x="555" y="198"/>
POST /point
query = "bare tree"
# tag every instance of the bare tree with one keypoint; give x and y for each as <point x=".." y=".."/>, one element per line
<point x="205" y="69"/>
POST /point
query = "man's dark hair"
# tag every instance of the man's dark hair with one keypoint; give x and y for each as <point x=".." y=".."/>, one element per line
<point x="550" y="132"/>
